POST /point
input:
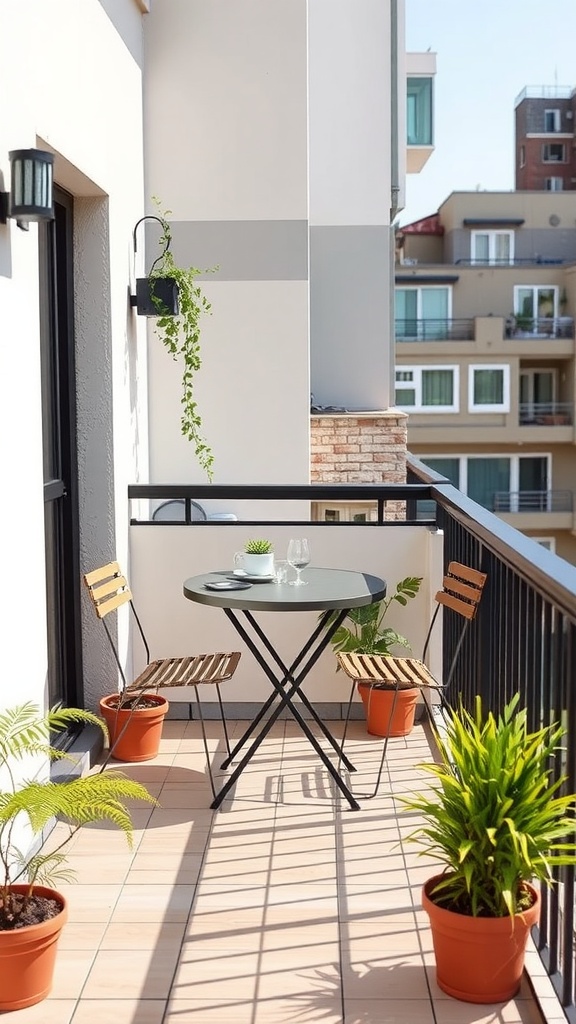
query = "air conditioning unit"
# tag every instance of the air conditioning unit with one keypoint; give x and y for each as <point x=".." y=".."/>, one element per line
<point x="409" y="261"/>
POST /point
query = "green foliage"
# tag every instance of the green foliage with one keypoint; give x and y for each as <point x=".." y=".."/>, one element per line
<point x="258" y="547"/>
<point x="181" y="336"/>
<point x="366" y="634"/>
<point x="496" y="818"/>
<point x="24" y="733"/>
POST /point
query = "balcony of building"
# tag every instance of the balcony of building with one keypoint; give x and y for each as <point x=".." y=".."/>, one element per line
<point x="421" y="69"/>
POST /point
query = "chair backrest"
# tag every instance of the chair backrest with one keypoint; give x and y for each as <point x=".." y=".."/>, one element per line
<point x="109" y="590"/>
<point x="461" y="592"/>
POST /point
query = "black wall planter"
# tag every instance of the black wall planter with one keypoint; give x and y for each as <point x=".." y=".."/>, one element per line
<point x="165" y="290"/>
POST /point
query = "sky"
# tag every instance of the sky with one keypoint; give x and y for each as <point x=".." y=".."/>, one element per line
<point x="487" y="51"/>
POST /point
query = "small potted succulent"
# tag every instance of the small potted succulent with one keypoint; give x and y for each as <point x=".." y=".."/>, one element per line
<point x="497" y="819"/>
<point x="32" y="913"/>
<point x="257" y="558"/>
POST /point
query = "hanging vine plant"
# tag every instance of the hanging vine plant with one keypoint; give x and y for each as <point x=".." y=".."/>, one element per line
<point x="172" y="295"/>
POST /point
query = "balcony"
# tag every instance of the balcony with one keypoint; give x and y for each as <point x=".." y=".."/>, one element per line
<point x="533" y="501"/>
<point x="421" y="68"/>
<point x="442" y="329"/>
<point x="540" y="327"/>
<point x="546" y="414"/>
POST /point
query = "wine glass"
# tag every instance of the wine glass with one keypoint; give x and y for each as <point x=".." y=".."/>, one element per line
<point x="298" y="556"/>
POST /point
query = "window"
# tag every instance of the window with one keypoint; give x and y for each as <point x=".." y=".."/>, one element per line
<point x="419" y="111"/>
<point x="522" y="156"/>
<point x="538" y="390"/>
<point x="492" y="247"/>
<point x="489" y="388"/>
<point x="501" y="483"/>
<point x="422" y="313"/>
<point x="547" y="542"/>
<point x="554" y="184"/>
<point x="427" y="388"/>
<point x="554" y="152"/>
<point x="551" y="120"/>
<point x="535" y="308"/>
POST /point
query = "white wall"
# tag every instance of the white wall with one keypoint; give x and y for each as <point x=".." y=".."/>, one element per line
<point x="72" y="85"/>
<point x="164" y="557"/>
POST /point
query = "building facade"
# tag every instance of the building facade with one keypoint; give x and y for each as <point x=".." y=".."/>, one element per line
<point x="276" y="136"/>
<point x="485" y="367"/>
<point x="545" y="138"/>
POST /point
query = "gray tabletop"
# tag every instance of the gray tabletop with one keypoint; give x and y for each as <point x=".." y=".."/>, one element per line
<point x="326" y="588"/>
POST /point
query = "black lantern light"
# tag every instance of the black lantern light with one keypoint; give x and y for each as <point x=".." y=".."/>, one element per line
<point x="31" y="187"/>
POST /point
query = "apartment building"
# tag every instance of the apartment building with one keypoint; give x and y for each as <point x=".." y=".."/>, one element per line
<point x="485" y="364"/>
<point x="545" y="138"/>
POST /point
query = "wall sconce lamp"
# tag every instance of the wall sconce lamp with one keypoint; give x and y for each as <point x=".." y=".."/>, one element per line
<point x="30" y="196"/>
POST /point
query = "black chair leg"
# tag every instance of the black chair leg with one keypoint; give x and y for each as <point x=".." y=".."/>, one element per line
<point x="222" y="716"/>
<point x="205" y="741"/>
<point x="347" y="719"/>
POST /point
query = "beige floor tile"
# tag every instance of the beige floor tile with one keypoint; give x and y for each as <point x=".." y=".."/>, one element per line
<point x="143" y="935"/>
<point x="252" y="1011"/>
<point x="132" y="973"/>
<point x="50" y="1011"/>
<point x="82" y="935"/>
<point x="385" y="976"/>
<point x="453" y="1011"/>
<point x="388" y="1011"/>
<point x="305" y="937"/>
<point x="90" y="903"/>
<point x="72" y="968"/>
<point x="87" y="867"/>
<point x="232" y="974"/>
<point x="120" y="1011"/>
<point x="167" y="903"/>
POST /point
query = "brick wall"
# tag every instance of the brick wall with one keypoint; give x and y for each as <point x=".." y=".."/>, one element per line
<point x="358" y="447"/>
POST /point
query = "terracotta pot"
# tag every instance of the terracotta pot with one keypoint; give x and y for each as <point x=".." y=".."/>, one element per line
<point x="479" y="959"/>
<point x="27" y="956"/>
<point x="134" y="735"/>
<point x="378" y="707"/>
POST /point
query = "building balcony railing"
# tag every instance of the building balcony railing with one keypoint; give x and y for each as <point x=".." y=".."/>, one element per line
<point x="539" y="327"/>
<point x="523" y="639"/>
<point x="533" y="501"/>
<point x="524" y="261"/>
<point x="441" y="329"/>
<point x="546" y="414"/>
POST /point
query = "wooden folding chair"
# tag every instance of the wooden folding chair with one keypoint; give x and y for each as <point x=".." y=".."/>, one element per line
<point x="109" y="590"/>
<point x="461" y="592"/>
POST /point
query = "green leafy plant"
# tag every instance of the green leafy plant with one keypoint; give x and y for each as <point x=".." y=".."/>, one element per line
<point x="181" y="334"/>
<point x="25" y="733"/>
<point x="258" y="547"/>
<point x="366" y="633"/>
<point x="496" y="818"/>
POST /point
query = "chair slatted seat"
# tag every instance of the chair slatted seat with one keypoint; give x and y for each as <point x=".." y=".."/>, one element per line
<point x="461" y="592"/>
<point x="109" y="590"/>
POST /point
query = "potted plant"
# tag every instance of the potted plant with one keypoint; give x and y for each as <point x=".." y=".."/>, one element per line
<point x="134" y="720"/>
<point x="32" y="913"/>
<point x="363" y="631"/>
<point x="257" y="558"/>
<point x="172" y="295"/>
<point x="497" y="821"/>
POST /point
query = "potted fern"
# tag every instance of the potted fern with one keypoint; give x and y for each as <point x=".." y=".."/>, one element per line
<point x="172" y="295"/>
<point x="32" y="913"/>
<point x="497" y="820"/>
<point x="364" y="631"/>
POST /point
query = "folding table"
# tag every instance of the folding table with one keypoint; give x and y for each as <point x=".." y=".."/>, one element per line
<point x="327" y="591"/>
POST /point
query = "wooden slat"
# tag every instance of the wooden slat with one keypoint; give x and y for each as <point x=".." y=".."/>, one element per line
<point x="467" y="610"/>
<point x="111" y="569"/>
<point x="374" y="668"/>
<point x="455" y="586"/>
<point x="188" y="671"/>
<point x="466" y="573"/>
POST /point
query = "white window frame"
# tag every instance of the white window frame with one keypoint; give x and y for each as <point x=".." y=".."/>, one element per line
<point x="492" y="235"/>
<point x="555" y="117"/>
<point x="522" y="156"/>
<point x="546" y="146"/>
<point x="416" y="386"/>
<point x="536" y="288"/>
<point x="424" y="288"/>
<point x="503" y="406"/>
<point x="555" y="184"/>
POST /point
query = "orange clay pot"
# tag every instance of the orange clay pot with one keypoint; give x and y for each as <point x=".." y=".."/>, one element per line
<point x="479" y="959"/>
<point x="378" y="705"/>
<point x="28" y="955"/>
<point x="140" y="740"/>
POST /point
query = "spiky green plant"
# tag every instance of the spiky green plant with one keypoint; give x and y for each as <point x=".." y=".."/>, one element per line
<point x="496" y="818"/>
<point x="362" y="630"/>
<point x="25" y="733"/>
<point x="258" y="547"/>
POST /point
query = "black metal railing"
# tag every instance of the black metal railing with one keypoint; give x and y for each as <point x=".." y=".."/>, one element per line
<point x="525" y="261"/>
<point x="546" y="414"/>
<point x="539" y="327"/>
<point x="441" y="329"/>
<point x="522" y="641"/>
<point x="533" y="501"/>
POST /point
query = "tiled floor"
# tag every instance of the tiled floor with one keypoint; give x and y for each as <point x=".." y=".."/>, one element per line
<point x="283" y="908"/>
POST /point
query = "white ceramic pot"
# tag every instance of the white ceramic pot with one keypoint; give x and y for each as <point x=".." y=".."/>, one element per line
<point x="255" y="565"/>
